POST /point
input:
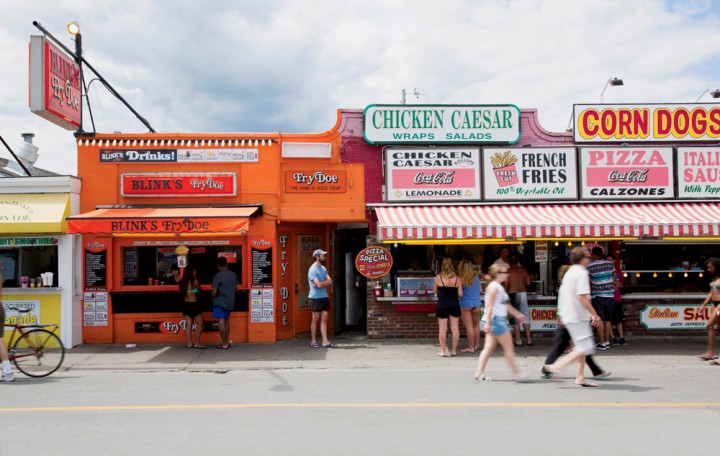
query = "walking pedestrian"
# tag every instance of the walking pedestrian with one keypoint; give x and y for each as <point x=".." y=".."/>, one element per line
<point x="7" y="375"/>
<point x="578" y="316"/>
<point x="470" y="305"/>
<point x="561" y="341"/>
<point x="496" y="324"/>
<point x="713" y="298"/>
<point x="223" y="296"/>
<point x="448" y="289"/>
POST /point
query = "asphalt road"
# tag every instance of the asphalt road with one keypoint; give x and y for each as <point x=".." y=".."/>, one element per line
<point x="645" y="408"/>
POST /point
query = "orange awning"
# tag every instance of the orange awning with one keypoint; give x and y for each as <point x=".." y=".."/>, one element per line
<point x="128" y="221"/>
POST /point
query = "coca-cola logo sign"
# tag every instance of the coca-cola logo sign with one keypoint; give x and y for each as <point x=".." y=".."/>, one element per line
<point x="432" y="174"/>
<point x="627" y="173"/>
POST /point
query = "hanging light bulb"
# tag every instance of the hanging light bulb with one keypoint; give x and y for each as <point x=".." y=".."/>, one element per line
<point x="669" y="274"/>
<point x="625" y="274"/>
<point x="700" y="275"/>
<point x="556" y="243"/>
<point x="685" y="274"/>
<point x="582" y="243"/>
<point x="637" y="274"/>
<point x="654" y="274"/>
<point x="569" y="244"/>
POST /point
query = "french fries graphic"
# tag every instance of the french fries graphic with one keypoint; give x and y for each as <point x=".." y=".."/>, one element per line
<point x="501" y="160"/>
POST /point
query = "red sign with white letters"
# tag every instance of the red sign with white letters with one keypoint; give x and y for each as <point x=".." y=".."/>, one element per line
<point x="55" y="84"/>
<point x="177" y="184"/>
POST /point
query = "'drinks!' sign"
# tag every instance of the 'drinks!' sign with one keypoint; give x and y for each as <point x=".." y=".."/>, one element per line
<point x="428" y="124"/>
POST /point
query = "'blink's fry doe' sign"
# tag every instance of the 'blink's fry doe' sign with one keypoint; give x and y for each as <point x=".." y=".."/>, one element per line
<point x="55" y="90"/>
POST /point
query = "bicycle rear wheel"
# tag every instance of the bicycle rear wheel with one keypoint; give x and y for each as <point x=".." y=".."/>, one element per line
<point x="38" y="353"/>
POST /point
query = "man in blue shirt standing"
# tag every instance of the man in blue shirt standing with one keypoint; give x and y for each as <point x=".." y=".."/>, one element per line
<point x="223" y="296"/>
<point x="602" y="290"/>
<point x="319" y="281"/>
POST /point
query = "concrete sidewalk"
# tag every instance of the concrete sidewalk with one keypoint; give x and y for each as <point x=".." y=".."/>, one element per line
<point x="355" y="352"/>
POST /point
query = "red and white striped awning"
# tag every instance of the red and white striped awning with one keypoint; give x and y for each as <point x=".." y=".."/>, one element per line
<point x="548" y="221"/>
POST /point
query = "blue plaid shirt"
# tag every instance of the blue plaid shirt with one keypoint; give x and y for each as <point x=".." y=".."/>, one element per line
<point x="225" y="282"/>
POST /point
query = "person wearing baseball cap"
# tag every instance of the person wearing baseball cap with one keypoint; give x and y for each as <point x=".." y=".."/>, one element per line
<point x="319" y="281"/>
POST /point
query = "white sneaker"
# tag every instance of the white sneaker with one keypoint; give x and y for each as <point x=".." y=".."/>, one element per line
<point x="7" y="377"/>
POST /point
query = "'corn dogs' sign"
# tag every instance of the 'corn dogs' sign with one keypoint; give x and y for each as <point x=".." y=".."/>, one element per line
<point x="666" y="122"/>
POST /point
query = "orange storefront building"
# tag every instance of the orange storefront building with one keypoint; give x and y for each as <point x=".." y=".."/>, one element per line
<point x="263" y="201"/>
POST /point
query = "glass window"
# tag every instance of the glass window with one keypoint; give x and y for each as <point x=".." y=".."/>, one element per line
<point x="27" y="264"/>
<point x="144" y="264"/>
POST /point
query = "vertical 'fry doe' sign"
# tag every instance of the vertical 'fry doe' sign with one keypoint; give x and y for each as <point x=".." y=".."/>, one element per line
<point x="55" y="90"/>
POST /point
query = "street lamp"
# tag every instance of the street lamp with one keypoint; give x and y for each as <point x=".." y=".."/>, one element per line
<point x="73" y="28"/>
<point x="715" y="94"/>
<point x="611" y="82"/>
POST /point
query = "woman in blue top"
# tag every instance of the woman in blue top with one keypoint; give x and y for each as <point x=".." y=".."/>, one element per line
<point x="192" y="310"/>
<point x="470" y="305"/>
<point x="496" y="324"/>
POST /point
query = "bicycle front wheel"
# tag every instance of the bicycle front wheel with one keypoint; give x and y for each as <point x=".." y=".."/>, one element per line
<point x="38" y="353"/>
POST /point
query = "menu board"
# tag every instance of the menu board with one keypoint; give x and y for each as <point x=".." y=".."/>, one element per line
<point x="262" y="266"/>
<point x="95" y="269"/>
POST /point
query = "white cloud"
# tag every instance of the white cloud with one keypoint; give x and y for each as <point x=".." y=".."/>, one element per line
<point x="288" y="65"/>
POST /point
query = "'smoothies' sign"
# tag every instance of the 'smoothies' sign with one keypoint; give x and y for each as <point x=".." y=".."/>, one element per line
<point x="438" y="124"/>
<point x="55" y="90"/>
<point x="633" y="123"/>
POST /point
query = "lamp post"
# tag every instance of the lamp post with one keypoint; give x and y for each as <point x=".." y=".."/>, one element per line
<point x="715" y="94"/>
<point x="611" y="82"/>
<point x="73" y="28"/>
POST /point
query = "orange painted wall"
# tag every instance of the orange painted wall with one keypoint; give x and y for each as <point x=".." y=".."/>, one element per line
<point x="261" y="182"/>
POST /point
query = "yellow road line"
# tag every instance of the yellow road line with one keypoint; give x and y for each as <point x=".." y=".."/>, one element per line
<point x="94" y="408"/>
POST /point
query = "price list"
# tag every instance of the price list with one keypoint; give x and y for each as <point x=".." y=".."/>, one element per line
<point x="262" y="266"/>
<point x="95" y="269"/>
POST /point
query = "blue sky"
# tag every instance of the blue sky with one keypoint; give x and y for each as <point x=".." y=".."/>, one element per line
<point x="261" y="66"/>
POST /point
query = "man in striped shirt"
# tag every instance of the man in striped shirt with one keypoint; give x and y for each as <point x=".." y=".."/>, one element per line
<point x="602" y="291"/>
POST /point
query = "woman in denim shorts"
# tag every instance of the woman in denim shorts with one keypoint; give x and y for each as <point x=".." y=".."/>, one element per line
<point x="496" y="324"/>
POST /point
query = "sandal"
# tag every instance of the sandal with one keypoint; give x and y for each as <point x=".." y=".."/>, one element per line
<point x="467" y="350"/>
<point x="708" y="358"/>
<point x="714" y="362"/>
<point x="223" y="347"/>
<point x="314" y="345"/>
<point x="587" y="385"/>
<point x="482" y="378"/>
<point x="329" y="346"/>
<point x="529" y="344"/>
<point x="200" y="347"/>
<point x="518" y="344"/>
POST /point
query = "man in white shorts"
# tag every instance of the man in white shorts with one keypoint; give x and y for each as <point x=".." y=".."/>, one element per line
<point x="578" y="315"/>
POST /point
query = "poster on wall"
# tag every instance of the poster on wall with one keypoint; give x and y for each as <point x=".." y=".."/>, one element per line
<point x="262" y="305"/>
<point x="637" y="173"/>
<point x="29" y="316"/>
<point x="674" y="316"/>
<point x="95" y="308"/>
<point x="432" y="174"/>
<point x="521" y="174"/>
<point x="698" y="172"/>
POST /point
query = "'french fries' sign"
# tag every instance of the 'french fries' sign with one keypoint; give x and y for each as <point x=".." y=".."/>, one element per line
<point x="548" y="173"/>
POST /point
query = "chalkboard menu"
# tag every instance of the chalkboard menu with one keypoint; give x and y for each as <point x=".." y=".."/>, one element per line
<point x="262" y="266"/>
<point x="95" y="269"/>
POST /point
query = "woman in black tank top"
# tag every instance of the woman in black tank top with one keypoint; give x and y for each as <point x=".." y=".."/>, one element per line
<point x="448" y="290"/>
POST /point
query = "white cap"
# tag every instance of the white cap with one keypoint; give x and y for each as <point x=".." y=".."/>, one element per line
<point x="319" y="252"/>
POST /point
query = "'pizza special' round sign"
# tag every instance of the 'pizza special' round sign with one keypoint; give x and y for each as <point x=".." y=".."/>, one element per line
<point x="374" y="262"/>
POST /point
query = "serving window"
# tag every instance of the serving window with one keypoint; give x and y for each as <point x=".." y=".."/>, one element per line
<point x="153" y="265"/>
<point x="23" y="265"/>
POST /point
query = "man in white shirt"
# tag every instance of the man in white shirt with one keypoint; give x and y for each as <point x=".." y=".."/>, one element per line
<point x="504" y="259"/>
<point x="578" y="315"/>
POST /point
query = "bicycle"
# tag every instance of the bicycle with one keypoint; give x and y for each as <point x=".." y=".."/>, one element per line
<point x="37" y="351"/>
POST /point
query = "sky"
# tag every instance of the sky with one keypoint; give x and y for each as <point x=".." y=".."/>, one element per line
<point x="287" y="65"/>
